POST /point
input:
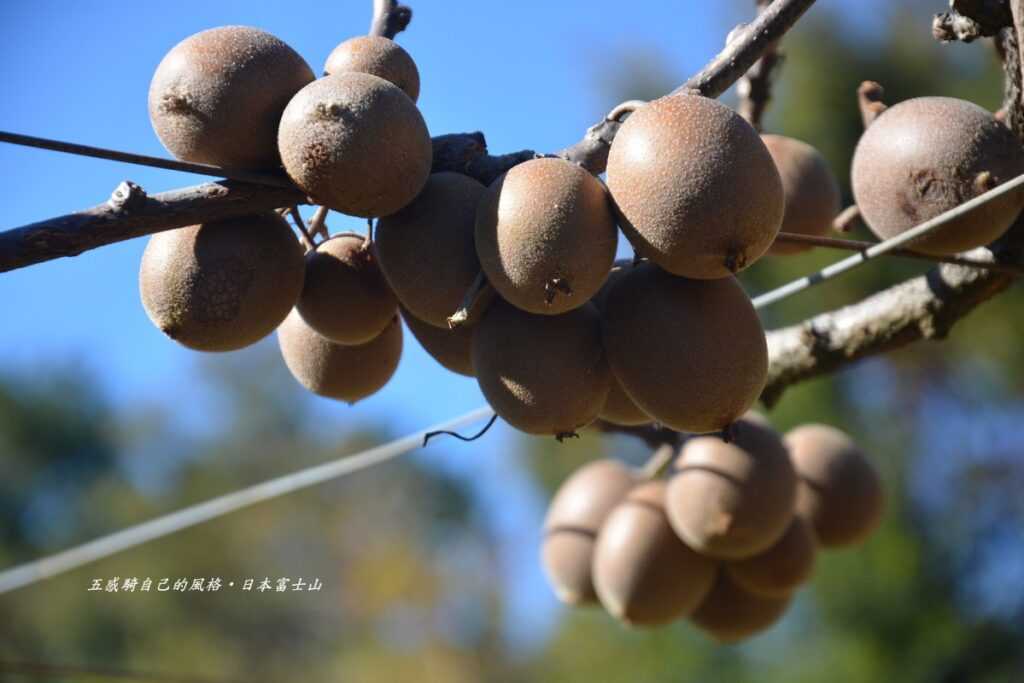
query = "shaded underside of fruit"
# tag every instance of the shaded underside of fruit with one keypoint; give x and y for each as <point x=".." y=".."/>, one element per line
<point x="811" y="190"/>
<point x="452" y="348"/>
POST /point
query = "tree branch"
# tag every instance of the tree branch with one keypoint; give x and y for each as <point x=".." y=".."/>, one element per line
<point x="755" y="88"/>
<point x="389" y="18"/>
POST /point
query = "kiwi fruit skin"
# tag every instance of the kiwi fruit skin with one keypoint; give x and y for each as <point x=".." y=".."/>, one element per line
<point x="427" y="249"/>
<point x="730" y="614"/>
<point x="781" y="569"/>
<point x="355" y="143"/>
<point x="345" y="298"/>
<point x="732" y="500"/>
<point x="543" y="374"/>
<point x="619" y="408"/>
<point x="217" y="96"/>
<point x="840" y="492"/>
<point x="345" y="373"/>
<point x="452" y="348"/>
<point x="811" y="190"/>
<point x="546" y="236"/>
<point x="694" y="186"/>
<point x="379" y="56"/>
<point x="690" y="353"/>
<point x="574" y="518"/>
<point x="222" y="285"/>
<point x="643" y="573"/>
<point x="924" y="156"/>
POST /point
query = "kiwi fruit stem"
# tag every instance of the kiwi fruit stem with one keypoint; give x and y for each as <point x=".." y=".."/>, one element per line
<point x="474" y="304"/>
<point x="659" y="461"/>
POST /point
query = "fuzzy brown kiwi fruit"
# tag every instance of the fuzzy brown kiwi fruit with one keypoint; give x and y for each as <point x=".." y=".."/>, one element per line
<point x="924" y="156"/>
<point x="574" y="518"/>
<point x="696" y="190"/>
<point x="222" y="285"/>
<point x="690" y="353"/>
<point x="643" y="573"/>
<point x="730" y="613"/>
<point x="543" y="374"/>
<point x="732" y="500"/>
<point x="778" y="571"/>
<point x="546" y="236"/>
<point x="619" y="408"/>
<point x="217" y="97"/>
<point x="452" y="348"/>
<point x="426" y="250"/>
<point x="345" y="297"/>
<point x="840" y="492"/>
<point x="355" y="143"/>
<point x="346" y="373"/>
<point x="811" y="190"/>
<point x="379" y="56"/>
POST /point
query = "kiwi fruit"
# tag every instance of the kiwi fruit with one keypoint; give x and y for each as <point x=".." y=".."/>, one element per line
<point x="924" y="156"/>
<point x="546" y="236"/>
<point x="345" y="297"/>
<point x="379" y="56"/>
<point x="732" y="500"/>
<point x="619" y="408"/>
<point x="781" y="569"/>
<point x="426" y="249"/>
<point x="811" y="191"/>
<point x="643" y="573"/>
<point x="355" y="143"/>
<point x="543" y="374"/>
<point x="573" y="521"/>
<point x="217" y="96"/>
<point x="730" y="614"/>
<point x="695" y="188"/>
<point x="222" y="285"/>
<point x="840" y="493"/>
<point x="346" y="373"/>
<point x="452" y="348"/>
<point x="690" y="353"/>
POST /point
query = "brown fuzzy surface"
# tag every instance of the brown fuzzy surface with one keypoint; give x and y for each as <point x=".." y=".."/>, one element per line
<point x="690" y="353"/>
<point x="217" y="97"/>
<point x="643" y="573"/>
<point x="346" y="373"/>
<point x="840" y="492"/>
<point x="695" y="188"/>
<point x="224" y="285"/>
<point x="730" y="614"/>
<point x="811" y="190"/>
<point x="542" y="374"/>
<point x="356" y="144"/>
<point x="345" y="297"/>
<point x="379" y="56"/>
<point x="620" y="409"/>
<point x="546" y="221"/>
<point x="781" y="569"/>
<point x="921" y="157"/>
<point x="427" y="249"/>
<point x="452" y="348"/>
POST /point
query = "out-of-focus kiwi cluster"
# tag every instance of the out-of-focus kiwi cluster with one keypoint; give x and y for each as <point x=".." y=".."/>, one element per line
<point x="724" y="539"/>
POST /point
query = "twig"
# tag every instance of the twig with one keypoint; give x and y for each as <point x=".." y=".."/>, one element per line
<point x="869" y="99"/>
<point x="969" y="20"/>
<point x="478" y="297"/>
<point x="318" y="225"/>
<point x="659" y="460"/>
<point x="848" y="219"/>
<point x="296" y="217"/>
<point x="389" y="18"/>
<point x="755" y="88"/>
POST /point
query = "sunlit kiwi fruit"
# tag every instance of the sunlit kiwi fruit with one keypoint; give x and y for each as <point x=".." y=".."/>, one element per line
<point x="217" y="96"/>
<point x="378" y="56"/>
<point x="730" y="614"/>
<point x="812" y="193"/>
<point x="778" y="571"/>
<point x="452" y="348"/>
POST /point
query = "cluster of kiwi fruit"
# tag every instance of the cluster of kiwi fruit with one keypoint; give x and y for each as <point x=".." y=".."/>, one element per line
<point x="724" y="539"/>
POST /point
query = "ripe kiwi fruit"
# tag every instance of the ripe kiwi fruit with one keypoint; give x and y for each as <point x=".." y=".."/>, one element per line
<point x="643" y="573"/>
<point x="543" y="374"/>
<point x="379" y="56"/>
<point x="840" y="492"/>
<point x="730" y="614"/>
<point x="355" y="143"/>
<point x="346" y="373"/>
<point x="690" y="353"/>
<point x="695" y="188"/>
<point x="452" y="348"/>
<point x="574" y="518"/>
<point x="345" y="297"/>
<point x="426" y="249"/>
<point x="546" y="236"/>
<point x="812" y="193"/>
<point x="924" y="156"/>
<point x="217" y="96"/>
<point x="222" y="285"/>
<point x="732" y="500"/>
<point x="780" y="570"/>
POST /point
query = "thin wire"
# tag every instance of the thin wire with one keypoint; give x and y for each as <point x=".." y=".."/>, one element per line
<point x="40" y="670"/>
<point x="884" y="247"/>
<point x="38" y="570"/>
